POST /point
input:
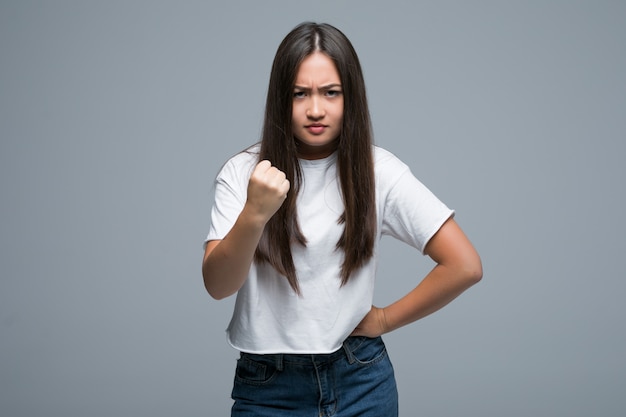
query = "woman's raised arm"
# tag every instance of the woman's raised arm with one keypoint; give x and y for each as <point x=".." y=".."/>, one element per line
<point x="226" y="262"/>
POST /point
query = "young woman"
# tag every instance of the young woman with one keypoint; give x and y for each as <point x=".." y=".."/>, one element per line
<point x="295" y="229"/>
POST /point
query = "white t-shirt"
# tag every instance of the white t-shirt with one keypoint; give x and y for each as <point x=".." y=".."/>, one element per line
<point x="269" y="317"/>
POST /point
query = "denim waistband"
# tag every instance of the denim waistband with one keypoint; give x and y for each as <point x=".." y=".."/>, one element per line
<point x="345" y="351"/>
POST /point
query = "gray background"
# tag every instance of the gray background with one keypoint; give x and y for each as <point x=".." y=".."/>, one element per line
<point x="115" y="117"/>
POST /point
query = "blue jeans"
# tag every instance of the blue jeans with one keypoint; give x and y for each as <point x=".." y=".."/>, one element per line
<point x="356" y="380"/>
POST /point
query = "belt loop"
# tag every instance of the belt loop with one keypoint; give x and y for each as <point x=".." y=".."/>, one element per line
<point x="349" y="354"/>
<point x="279" y="361"/>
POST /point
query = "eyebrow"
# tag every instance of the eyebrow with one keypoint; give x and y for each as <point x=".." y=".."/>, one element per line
<point x="323" y="87"/>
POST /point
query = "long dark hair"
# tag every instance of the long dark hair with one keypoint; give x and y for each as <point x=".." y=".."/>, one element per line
<point x="354" y="152"/>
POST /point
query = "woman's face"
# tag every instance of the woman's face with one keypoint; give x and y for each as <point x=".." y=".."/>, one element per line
<point x="317" y="107"/>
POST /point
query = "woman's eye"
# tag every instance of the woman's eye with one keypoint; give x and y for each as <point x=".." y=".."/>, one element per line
<point x="299" y="94"/>
<point x="333" y="93"/>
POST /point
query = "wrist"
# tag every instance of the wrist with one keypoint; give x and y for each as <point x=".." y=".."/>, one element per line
<point x="253" y="217"/>
<point x="382" y="318"/>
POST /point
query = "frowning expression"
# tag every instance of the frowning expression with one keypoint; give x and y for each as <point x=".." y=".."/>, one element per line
<point x="317" y="107"/>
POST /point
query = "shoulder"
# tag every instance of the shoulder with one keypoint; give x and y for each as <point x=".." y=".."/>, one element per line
<point x="246" y="157"/>
<point x="240" y="164"/>
<point x="387" y="166"/>
<point x="386" y="159"/>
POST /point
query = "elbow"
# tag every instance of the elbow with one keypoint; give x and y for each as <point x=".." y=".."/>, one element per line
<point x="468" y="271"/>
<point x="474" y="272"/>
<point x="211" y="288"/>
<point x="214" y="292"/>
<point x="217" y="296"/>
<point x="475" y="276"/>
<point x="214" y="295"/>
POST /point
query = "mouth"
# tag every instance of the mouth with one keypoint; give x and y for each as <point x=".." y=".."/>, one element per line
<point x="316" y="128"/>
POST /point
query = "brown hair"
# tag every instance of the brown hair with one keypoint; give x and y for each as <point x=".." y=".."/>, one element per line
<point x="354" y="152"/>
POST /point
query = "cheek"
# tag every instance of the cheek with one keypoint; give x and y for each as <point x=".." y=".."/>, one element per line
<point x="340" y="117"/>
<point x="339" y="110"/>
<point x="296" y="112"/>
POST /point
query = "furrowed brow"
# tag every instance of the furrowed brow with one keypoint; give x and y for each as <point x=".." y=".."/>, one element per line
<point x="322" y="88"/>
<point x="330" y="86"/>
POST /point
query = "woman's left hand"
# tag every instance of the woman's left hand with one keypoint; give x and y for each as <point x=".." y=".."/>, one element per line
<point x="372" y="325"/>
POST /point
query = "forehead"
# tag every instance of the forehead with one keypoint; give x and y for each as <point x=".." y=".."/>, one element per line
<point x="317" y="68"/>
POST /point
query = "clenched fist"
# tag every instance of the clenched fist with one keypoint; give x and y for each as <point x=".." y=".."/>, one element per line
<point x="267" y="189"/>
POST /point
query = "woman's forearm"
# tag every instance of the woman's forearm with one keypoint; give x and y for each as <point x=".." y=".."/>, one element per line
<point x="441" y="286"/>
<point x="227" y="262"/>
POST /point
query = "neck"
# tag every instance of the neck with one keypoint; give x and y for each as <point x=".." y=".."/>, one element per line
<point x="315" y="152"/>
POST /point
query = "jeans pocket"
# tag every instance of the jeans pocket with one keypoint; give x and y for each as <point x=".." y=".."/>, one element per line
<point x="253" y="370"/>
<point x="365" y="350"/>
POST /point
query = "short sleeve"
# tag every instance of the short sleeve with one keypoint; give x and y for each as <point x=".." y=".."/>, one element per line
<point x="412" y="213"/>
<point x="229" y="195"/>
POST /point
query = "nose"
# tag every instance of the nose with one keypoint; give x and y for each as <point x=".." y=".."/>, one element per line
<point x="315" y="110"/>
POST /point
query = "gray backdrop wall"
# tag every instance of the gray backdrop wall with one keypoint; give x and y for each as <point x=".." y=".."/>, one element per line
<point x="115" y="117"/>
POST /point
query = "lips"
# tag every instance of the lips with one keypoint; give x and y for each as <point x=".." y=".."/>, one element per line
<point x="316" y="129"/>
